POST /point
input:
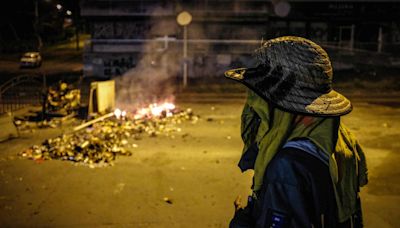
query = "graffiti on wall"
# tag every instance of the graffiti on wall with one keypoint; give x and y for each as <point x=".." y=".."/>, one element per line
<point x="103" y="30"/>
<point x="121" y="30"/>
<point x="118" y="65"/>
<point x="131" y="30"/>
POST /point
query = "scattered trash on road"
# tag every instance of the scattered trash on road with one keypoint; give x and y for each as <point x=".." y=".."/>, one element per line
<point x="168" y="200"/>
<point x="99" y="143"/>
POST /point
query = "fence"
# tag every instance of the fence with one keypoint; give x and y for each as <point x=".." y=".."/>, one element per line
<point x="21" y="91"/>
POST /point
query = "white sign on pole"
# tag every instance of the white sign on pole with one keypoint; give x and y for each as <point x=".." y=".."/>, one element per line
<point x="184" y="19"/>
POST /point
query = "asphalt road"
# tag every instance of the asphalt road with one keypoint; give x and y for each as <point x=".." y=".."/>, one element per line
<point x="196" y="169"/>
<point x="55" y="63"/>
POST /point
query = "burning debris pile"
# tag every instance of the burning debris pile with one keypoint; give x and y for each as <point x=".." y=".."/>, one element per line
<point x="101" y="142"/>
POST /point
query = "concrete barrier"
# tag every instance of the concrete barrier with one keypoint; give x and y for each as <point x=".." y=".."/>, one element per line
<point x="7" y="128"/>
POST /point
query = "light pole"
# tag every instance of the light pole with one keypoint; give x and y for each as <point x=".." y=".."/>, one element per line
<point x="184" y="19"/>
<point x="36" y="26"/>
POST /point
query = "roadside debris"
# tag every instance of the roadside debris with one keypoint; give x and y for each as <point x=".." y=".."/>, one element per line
<point x="61" y="103"/>
<point x="99" y="141"/>
<point x="63" y="99"/>
<point x="167" y="200"/>
<point x="26" y="125"/>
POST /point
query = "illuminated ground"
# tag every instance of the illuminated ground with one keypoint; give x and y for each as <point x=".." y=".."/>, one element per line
<point x="196" y="170"/>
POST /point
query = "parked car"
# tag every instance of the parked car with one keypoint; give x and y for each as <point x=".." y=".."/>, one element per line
<point x="31" y="59"/>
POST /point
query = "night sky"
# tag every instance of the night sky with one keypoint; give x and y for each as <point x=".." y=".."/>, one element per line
<point x="18" y="17"/>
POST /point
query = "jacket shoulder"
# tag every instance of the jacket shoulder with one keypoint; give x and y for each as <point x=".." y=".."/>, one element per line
<point x="293" y="166"/>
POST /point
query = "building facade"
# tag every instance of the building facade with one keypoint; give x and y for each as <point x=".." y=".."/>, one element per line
<point x="127" y="34"/>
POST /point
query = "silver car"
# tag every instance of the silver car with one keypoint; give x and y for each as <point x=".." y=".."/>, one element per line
<point x="31" y="59"/>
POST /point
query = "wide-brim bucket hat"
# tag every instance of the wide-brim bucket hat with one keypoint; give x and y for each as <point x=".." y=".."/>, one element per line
<point x="294" y="74"/>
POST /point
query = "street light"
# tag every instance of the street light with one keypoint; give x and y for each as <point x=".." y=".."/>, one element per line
<point x="59" y="7"/>
<point x="184" y="19"/>
<point x="69" y="13"/>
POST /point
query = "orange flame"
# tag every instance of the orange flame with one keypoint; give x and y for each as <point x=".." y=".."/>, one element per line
<point x="155" y="110"/>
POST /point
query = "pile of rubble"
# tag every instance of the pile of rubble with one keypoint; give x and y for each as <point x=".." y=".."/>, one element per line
<point x="61" y="104"/>
<point x="62" y="98"/>
<point x="103" y="141"/>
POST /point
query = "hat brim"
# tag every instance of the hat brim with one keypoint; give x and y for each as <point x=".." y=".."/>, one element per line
<point x="310" y="103"/>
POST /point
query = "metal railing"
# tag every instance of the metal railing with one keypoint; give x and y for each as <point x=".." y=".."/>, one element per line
<point x="21" y="91"/>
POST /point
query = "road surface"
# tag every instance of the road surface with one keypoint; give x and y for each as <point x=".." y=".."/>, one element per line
<point x="55" y="62"/>
<point x="196" y="169"/>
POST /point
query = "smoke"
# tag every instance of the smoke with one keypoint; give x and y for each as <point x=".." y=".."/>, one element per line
<point x="153" y="78"/>
<point x="149" y="82"/>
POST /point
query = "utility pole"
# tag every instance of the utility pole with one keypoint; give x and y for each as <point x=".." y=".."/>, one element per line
<point x="36" y="12"/>
<point x="185" y="67"/>
<point x="380" y="40"/>
<point x="36" y="25"/>
<point x="76" y="23"/>
<point x="352" y="37"/>
<point x="184" y="19"/>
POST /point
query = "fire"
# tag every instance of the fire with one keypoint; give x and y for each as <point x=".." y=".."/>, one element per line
<point x="153" y="110"/>
<point x="118" y="113"/>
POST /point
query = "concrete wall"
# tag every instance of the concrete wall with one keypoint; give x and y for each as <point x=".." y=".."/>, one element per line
<point x="223" y="33"/>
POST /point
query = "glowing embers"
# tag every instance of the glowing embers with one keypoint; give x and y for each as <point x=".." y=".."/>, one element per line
<point x="165" y="109"/>
<point x="119" y="114"/>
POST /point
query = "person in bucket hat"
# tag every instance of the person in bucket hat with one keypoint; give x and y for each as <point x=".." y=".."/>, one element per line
<point x="308" y="167"/>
